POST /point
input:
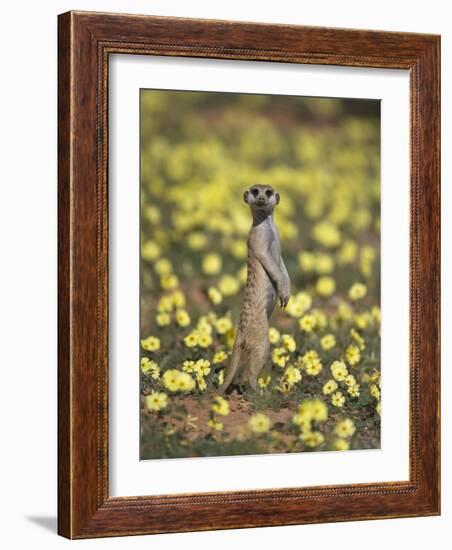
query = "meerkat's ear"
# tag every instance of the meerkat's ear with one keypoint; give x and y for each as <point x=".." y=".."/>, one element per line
<point x="277" y="198"/>
<point x="245" y="196"/>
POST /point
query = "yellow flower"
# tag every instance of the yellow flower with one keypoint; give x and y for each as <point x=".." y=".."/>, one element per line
<point x="313" y="409"/>
<point x="165" y="305"/>
<point x="312" y="439"/>
<point x="357" y="291"/>
<point x="242" y="274"/>
<point x="325" y="286"/>
<point x="152" y="214"/>
<point x="352" y="355"/>
<point x="238" y="249"/>
<point x="229" y="338"/>
<point x="292" y="375"/>
<point x="306" y="261"/>
<point x="211" y="264"/>
<point x="204" y="340"/>
<point x="345" y="428"/>
<point x="344" y="311"/>
<point x="168" y="282"/>
<point x="259" y="423"/>
<point x="329" y="387"/>
<point x="310" y="356"/>
<point x="203" y="326"/>
<point x="354" y="390"/>
<point x="156" y="401"/>
<point x="288" y="342"/>
<point x="151" y="343"/>
<point x="307" y="323"/>
<point x="163" y="266"/>
<point x="202" y="366"/>
<point x="188" y="366"/>
<point x="319" y="410"/>
<point x="150" y="251"/>
<point x="221" y="377"/>
<point x="163" y="319"/>
<point x="223" y="324"/>
<point x="378" y="408"/>
<point x="327" y="234"/>
<point x="298" y="304"/>
<point x="294" y="309"/>
<point x="214" y="295"/>
<point x="320" y="318"/>
<point x="185" y="382"/>
<point x="357" y="338"/>
<point x="182" y="318"/>
<point x="313" y="369"/>
<point x="376" y="314"/>
<point x="202" y="385"/>
<point x="264" y="382"/>
<point x="324" y="264"/>
<point x="337" y="399"/>
<point x="341" y="445"/>
<point x="196" y="240"/>
<point x="219" y="357"/>
<point x="170" y="379"/>
<point x="220" y="406"/>
<point x="215" y="424"/>
<point x="280" y="357"/>
<point x="328" y="341"/>
<point x="274" y="335"/>
<point x="150" y="367"/>
<point x="339" y="370"/>
<point x="302" y="421"/>
<point x="347" y="253"/>
<point x="175" y="380"/>
<point x="350" y="380"/>
<point x="304" y="299"/>
<point x="368" y="253"/>
<point x="178" y="299"/>
<point x="363" y="320"/>
<point x="229" y="285"/>
<point x="375" y="391"/>
<point x="375" y="376"/>
<point x="311" y="363"/>
<point x="191" y="340"/>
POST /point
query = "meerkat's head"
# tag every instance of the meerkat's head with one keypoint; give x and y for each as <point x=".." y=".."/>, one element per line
<point x="261" y="198"/>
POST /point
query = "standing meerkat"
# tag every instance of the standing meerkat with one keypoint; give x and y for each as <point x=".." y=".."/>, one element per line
<point x="267" y="279"/>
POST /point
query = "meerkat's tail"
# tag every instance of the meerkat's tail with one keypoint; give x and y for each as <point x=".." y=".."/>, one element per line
<point x="232" y="367"/>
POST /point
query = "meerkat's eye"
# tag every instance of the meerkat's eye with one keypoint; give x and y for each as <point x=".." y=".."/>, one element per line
<point x="255" y="192"/>
<point x="269" y="192"/>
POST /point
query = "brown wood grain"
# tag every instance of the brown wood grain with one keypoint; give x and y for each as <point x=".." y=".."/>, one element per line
<point x="85" y="508"/>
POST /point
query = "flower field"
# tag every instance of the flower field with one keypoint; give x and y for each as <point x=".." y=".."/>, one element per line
<point x="321" y="388"/>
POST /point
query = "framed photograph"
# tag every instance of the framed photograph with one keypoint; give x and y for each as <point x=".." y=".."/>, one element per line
<point x="248" y="275"/>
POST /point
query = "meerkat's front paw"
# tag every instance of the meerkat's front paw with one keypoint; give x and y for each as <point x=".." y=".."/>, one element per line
<point x="284" y="297"/>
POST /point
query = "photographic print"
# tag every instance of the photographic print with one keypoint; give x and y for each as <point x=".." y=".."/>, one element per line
<point x="260" y="274"/>
<point x="221" y="274"/>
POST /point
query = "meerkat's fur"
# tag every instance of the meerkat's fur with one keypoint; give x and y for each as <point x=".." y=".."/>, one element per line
<point x="267" y="280"/>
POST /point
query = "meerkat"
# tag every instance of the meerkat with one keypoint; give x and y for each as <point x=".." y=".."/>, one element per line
<point x="267" y="280"/>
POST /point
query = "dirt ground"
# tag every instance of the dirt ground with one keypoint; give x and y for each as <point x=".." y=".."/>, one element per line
<point x="198" y="414"/>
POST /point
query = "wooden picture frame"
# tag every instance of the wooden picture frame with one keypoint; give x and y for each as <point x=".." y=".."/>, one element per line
<point x="85" y="42"/>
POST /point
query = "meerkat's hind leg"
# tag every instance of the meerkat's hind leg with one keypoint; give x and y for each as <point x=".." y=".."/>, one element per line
<point x="239" y="381"/>
<point x="233" y="365"/>
<point x="257" y="363"/>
